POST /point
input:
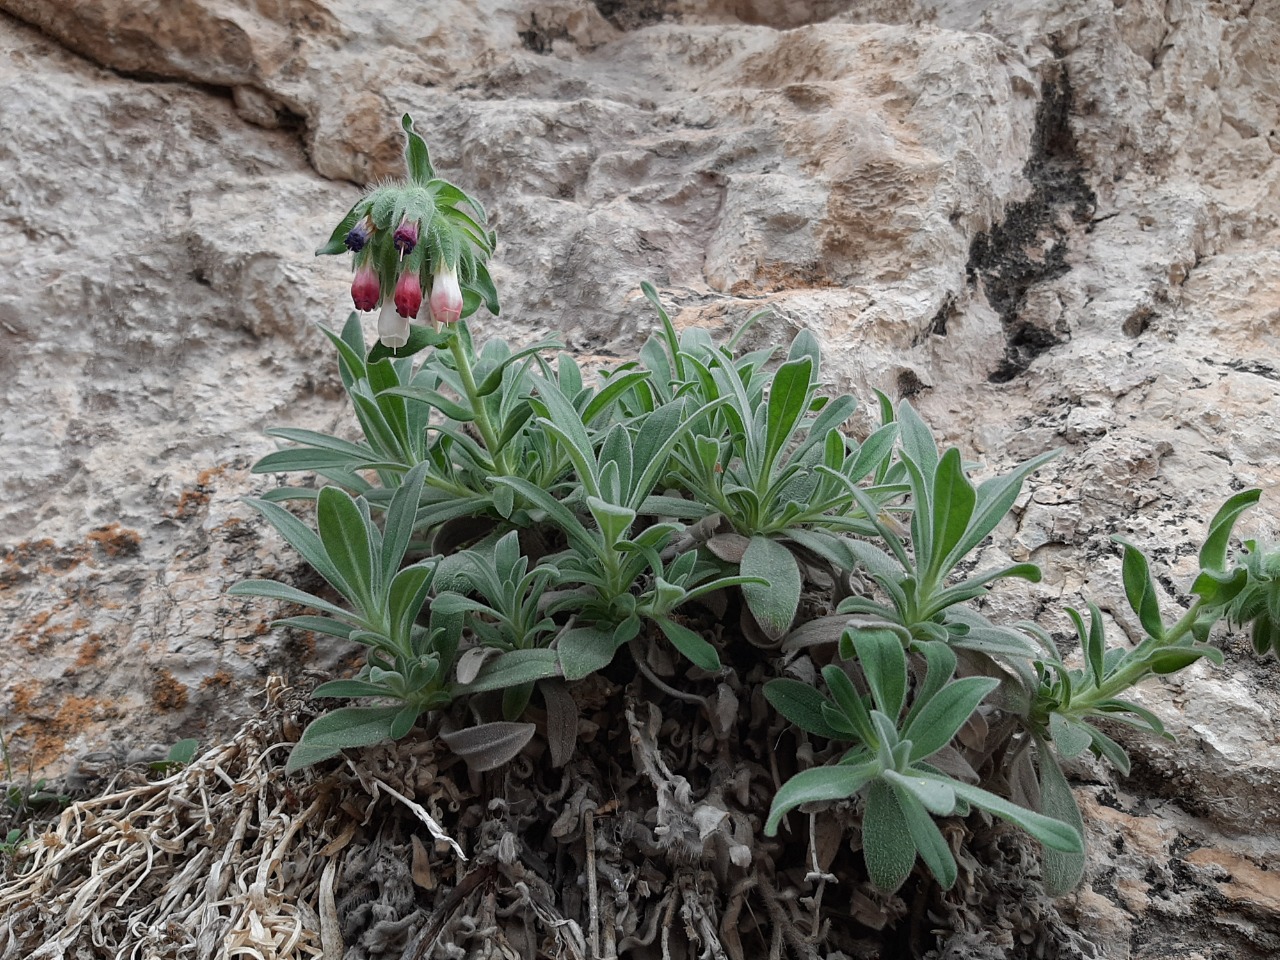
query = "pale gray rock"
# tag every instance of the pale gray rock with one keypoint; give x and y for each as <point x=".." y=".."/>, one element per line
<point x="1050" y="224"/>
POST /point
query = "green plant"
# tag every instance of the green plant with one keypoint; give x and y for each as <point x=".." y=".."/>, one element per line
<point x="505" y="528"/>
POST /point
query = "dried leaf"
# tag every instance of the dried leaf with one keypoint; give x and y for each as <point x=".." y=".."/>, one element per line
<point x="469" y="663"/>
<point x="729" y="547"/>
<point x="562" y="720"/>
<point x="488" y="746"/>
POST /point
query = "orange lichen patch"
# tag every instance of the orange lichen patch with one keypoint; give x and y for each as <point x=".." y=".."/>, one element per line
<point x="22" y="561"/>
<point x="189" y="502"/>
<point x="89" y="650"/>
<point x="47" y="736"/>
<point x="40" y="631"/>
<point x="24" y="696"/>
<point x="221" y="679"/>
<point x="776" y="277"/>
<point x="167" y="693"/>
<point x="115" y="540"/>
<point x="192" y="499"/>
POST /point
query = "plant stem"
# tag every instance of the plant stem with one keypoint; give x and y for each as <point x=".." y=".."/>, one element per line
<point x="487" y="433"/>
<point x="1127" y="676"/>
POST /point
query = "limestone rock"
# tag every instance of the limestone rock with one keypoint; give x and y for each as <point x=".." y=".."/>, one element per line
<point x="1049" y="223"/>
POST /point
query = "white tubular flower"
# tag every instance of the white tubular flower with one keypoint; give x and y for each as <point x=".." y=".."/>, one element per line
<point x="393" y="329"/>
<point x="446" y="295"/>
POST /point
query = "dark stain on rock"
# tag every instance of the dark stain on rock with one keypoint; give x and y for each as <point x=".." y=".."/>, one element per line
<point x="1030" y="245"/>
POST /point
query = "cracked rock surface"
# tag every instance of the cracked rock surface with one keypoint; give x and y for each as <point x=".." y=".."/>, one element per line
<point x="1050" y="223"/>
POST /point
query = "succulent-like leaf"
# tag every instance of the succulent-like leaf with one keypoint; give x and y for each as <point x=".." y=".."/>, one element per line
<point x="838" y="782"/>
<point x="1140" y="589"/>
<point x="887" y="844"/>
<point x="802" y="705"/>
<point x="1062" y="870"/>
<point x="694" y="647"/>
<point x="773" y="606"/>
<point x="344" y="728"/>
<point x="946" y="712"/>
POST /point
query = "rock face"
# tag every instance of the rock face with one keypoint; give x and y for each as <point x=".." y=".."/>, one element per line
<point x="1050" y="223"/>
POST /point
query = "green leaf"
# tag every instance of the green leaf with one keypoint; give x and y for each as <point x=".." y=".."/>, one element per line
<point x="512" y="668"/>
<point x="556" y="512"/>
<point x="493" y="380"/>
<point x="303" y="539"/>
<point x="346" y="540"/>
<point x="350" y="688"/>
<point x="1070" y="737"/>
<point x="802" y="705"/>
<point x="953" y="502"/>
<point x="435" y="399"/>
<point x="928" y="839"/>
<point x="850" y="703"/>
<point x="1213" y="555"/>
<point x="941" y="662"/>
<point x="183" y="752"/>
<point x="887" y="844"/>
<point x="1165" y="660"/>
<point x="1062" y="870"/>
<point x="773" y="606"/>
<point x="1051" y="832"/>
<point x="936" y="796"/>
<point x="884" y="663"/>
<point x="416" y="156"/>
<point x="1140" y="589"/>
<point x="337" y="242"/>
<point x="563" y="419"/>
<point x="694" y="647"/>
<point x="344" y="728"/>
<point x="838" y="782"/>
<point x="328" y="627"/>
<point x="941" y="718"/>
<point x="614" y="521"/>
<point x="584" y="650"/>
<point x="405" y="597"/>
<point x="274" y="590"/>
<point x="401" y="516"/>
<point x="917" y="440"/>
<point x="1104" y="746"/>
<point x="995" y="498"/>
<point x="788" y="400"/>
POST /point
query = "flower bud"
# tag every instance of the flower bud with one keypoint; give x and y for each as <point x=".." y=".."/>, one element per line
<point x="359" y="235"/>
<point x="366" y="289"/>
<point x="446" y="296"/>
<point x="408" y="294"/>
<point x="393" y="330"/>
<point x="406" y="237"/>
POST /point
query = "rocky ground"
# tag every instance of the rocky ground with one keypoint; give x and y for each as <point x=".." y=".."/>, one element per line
<point x="1050" y="224"/>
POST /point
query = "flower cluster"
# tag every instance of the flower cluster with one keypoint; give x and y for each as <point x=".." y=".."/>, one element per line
<point x="418" y="255"/>
<point x="407" y="303"/>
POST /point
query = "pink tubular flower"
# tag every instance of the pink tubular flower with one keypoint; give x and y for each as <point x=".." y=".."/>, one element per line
<point x="393" y="330"/>
<point x="406" y="237"/>
<point x="408" y="294"/>
<point x="365" y="289"/>
<point x="446" y="296"/>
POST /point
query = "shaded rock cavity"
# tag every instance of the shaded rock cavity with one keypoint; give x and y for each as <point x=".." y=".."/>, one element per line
<point x="1029" y="246"/>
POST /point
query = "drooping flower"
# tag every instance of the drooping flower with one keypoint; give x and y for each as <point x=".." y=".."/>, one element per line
<point x="366" y="289"/>
<point x="360" y="234"/>
<point x="393" y="329"/>
<point x="446" y="295"/>
<point x="408" y="294"/>
<point x="406" y="237"/>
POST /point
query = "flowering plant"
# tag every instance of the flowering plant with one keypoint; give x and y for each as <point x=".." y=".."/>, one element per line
<point x="506" y="528"/>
